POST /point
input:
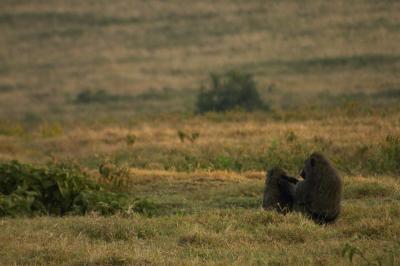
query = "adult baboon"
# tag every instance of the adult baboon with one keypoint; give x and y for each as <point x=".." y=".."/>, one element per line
<point x="319" y="194"/>
<point x="279" y="195"/>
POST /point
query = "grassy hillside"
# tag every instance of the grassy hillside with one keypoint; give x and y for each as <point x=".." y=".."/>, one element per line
<point x="101" y="82"/>
<point x="52" y="50"/>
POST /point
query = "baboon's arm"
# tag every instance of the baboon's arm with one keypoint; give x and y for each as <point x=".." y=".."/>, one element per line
<point x="301" y="193"/>
<point x="290" y="179"/>
<point x="286" y="188"/>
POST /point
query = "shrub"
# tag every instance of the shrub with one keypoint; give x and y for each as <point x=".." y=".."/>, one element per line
<point x="98" y="96"/>
<point x="191" y="137"/>
<point x="54" y="190"/>
<point x="113" y="176"/>
<point x="230" y="91"/>
<point x="31" y="119"/>
<point x="130" y="139"/>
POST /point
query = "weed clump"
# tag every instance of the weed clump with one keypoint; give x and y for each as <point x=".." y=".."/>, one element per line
<point x="191" y="137"/>
<point x="52" y="190"/>
<point x="98" y="96"/>
<point x="130" y="139"/>
<point x="233" y="90"/>
<point x="385" y="157"/>
<point x="113" y="176"/>
<point x="51" y="130"/>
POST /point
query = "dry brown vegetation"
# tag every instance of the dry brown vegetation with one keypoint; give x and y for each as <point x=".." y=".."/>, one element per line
<point x="52" y="49"/>
<point x="92" y="82"/>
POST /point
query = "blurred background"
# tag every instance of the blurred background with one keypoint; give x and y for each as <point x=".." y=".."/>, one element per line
<point x="151" y="56"/>
<point x="96" y="76"/>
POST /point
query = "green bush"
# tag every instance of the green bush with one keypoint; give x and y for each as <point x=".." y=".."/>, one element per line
<point x="233" y="90"/>
<point x="52" y="190"/>
<point x="98" y="96"/>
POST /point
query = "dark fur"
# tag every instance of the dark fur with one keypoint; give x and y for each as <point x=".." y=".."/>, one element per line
<point x="319" y="194"/>
<point x="279" y="191"/>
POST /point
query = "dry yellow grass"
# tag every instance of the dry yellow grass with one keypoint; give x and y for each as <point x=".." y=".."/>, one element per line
<point x="56" y="47"/>
<point x="251" y="135"/>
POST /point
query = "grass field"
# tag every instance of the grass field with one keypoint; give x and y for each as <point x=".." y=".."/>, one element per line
<point x="92" y="82"/>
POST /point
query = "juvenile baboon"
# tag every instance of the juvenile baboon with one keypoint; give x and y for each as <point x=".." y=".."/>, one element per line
<point x="320" y="193"/>
<point x="279" y="195"/>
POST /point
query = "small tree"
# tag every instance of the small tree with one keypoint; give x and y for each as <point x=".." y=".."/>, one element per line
<point x="229" y="91"/>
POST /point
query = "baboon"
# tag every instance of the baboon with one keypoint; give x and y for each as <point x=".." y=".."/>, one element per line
<point x="279" y="195"/>
<point x="319" y="194"/>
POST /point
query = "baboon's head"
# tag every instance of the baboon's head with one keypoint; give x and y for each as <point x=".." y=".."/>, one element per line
<point x="313" y="163"/>
<point x="274" y="174"/>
